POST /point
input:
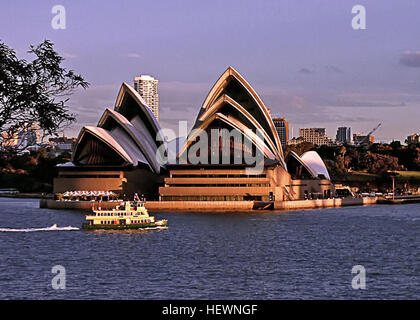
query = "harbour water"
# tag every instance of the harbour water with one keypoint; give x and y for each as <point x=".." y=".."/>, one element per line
<point x="306" y="254"/>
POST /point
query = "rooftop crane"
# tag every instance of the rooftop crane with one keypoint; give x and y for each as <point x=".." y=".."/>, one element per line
<point x="368" y="135"/>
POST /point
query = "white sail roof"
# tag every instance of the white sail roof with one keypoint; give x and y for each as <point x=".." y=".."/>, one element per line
<point x="131" y="131"/>
<point x="314" y="161"/>
<point x="246" y="111"/>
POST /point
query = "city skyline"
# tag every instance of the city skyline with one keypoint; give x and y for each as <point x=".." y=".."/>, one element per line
<point x="305" y="60"/>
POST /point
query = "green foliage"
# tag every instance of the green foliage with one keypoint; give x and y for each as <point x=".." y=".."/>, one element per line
<point x="36" y="92"/>
<point x="299" y="148"/>
<point x="348" y="162"/>
<point x="378" y="163"/>
<point x="32" y="172"/>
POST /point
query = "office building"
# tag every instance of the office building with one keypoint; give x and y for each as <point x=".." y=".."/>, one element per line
<point x="317" y="136"/>
<point x="282" y="128"/>
<point x="343" y="135"/>
<point x="26" y="137"/>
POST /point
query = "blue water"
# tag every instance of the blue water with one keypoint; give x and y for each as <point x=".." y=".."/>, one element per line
<point x="287" y="255"/>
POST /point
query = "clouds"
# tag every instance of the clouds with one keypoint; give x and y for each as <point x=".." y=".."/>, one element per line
<point x="331" y="69"/>
<point x="89" y="104"/>
<point x="410" y="59"/>
<point x="68" y="55"/>
<point x="133" y="55"/>
<point x="303" y="107"/>
<point x="179" y="101"/>
<point x="306" y="71"/>
<point x="327" y="97"/>
<point x="373" y="99"/>
<point x="359" y="108"/>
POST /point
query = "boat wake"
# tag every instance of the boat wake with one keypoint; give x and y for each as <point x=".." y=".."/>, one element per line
<point x="154" y="228"/>
<point x="54" y="227"/>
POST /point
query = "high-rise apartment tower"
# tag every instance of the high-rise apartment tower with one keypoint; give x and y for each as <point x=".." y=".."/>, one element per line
<point x="146" y="86"/>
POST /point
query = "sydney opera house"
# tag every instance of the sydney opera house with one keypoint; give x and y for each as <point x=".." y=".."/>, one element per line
<point x="124" y="153"/>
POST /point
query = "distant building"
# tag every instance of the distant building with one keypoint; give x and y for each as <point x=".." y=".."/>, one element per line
<point x="358" y="139"/>
<point x="295" y="141"/>
<point x="343" y="135"/>
<point x="146" y="86"/>
<point x="282" y="128"/>
<point x="60" y="145"/>
<point x="413" y="138"/>
<point x="26" y="137"/>
<point x="316" y="136"/>
<point x="29" y="137"/>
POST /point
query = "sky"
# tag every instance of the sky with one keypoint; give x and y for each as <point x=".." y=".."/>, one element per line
<point x="303" y="58"/>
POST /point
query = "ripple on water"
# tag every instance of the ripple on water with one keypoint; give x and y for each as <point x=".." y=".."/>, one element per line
<point x="278" y="255"/>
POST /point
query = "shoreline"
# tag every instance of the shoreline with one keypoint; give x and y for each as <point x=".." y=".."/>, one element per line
<point x="218" y="206"/>
<point x="23" y="195"/>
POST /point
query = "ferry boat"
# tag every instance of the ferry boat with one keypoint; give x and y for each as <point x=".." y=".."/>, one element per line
<point x="127" y="216"/>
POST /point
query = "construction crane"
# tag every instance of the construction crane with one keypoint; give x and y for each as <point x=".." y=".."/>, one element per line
<point x="368" y="135"/>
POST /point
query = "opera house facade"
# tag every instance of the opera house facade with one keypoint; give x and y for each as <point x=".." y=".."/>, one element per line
<point x="233" y="105"/>
<point x="121" y="154"/>
<point x="125" y="153"/>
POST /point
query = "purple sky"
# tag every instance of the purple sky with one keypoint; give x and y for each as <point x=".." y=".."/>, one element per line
<point x="302" y="57"/>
